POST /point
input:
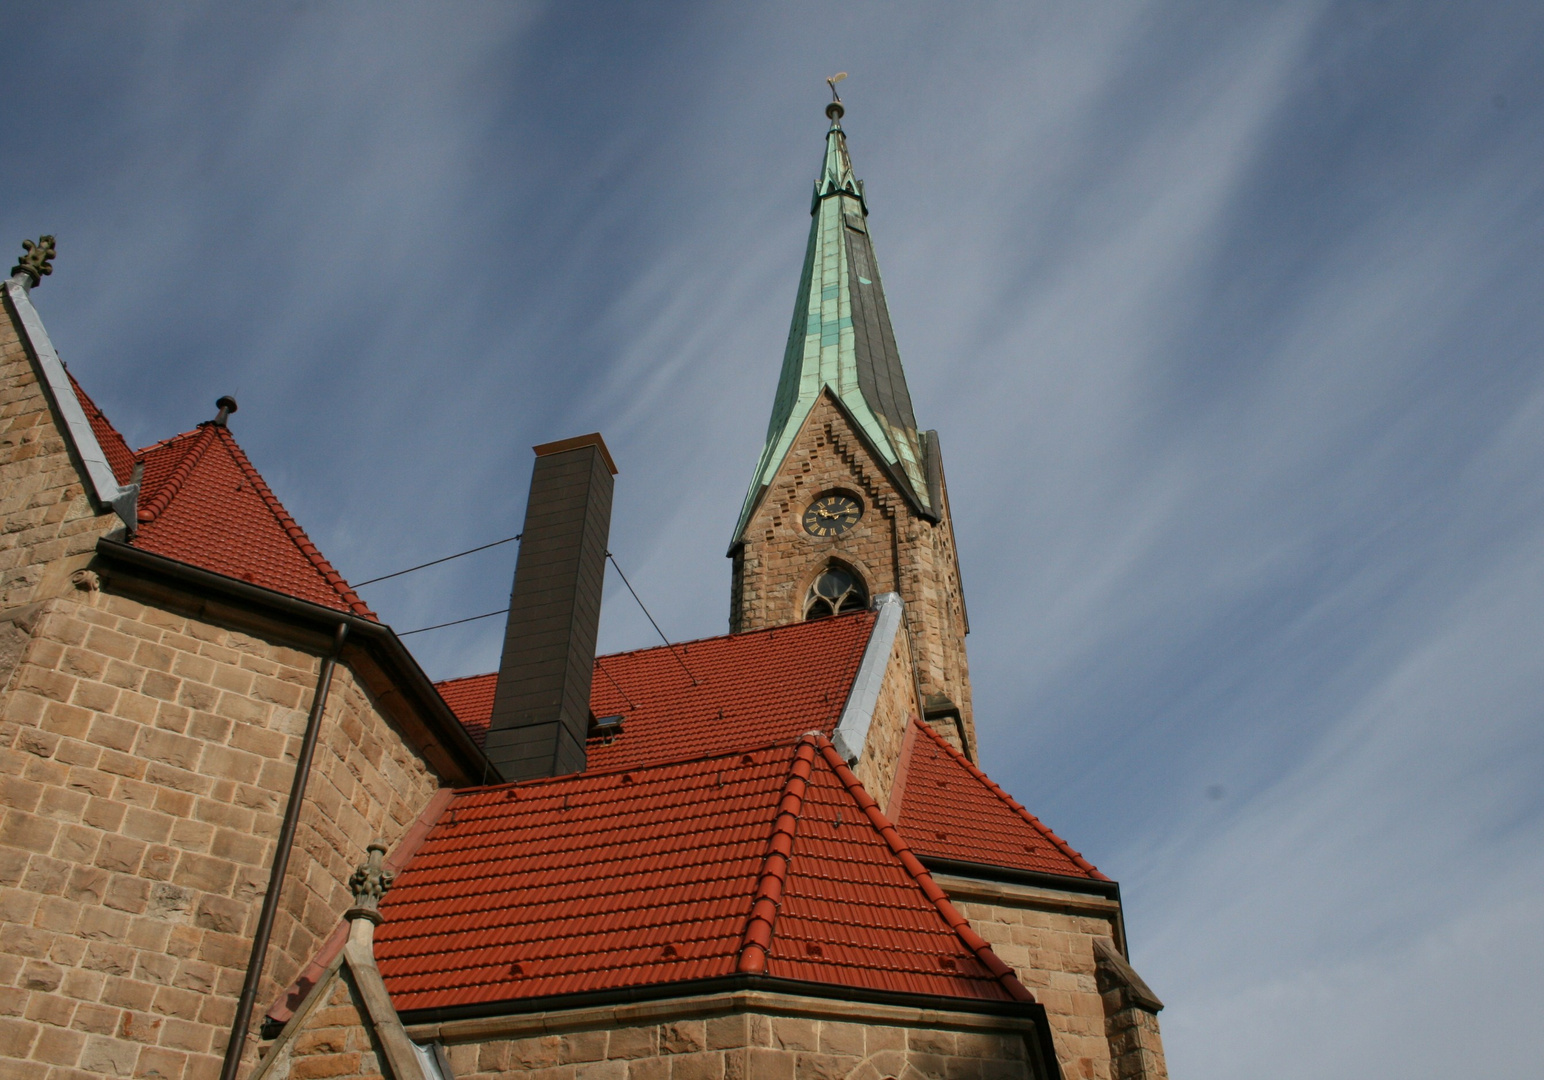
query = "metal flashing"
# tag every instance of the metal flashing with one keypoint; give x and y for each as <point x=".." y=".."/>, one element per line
<point x="852" y="729"/>
<point x="122" y="499"/>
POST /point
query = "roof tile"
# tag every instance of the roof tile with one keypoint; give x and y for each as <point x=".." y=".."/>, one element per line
<point x="650" y="875"/>
<point x="119" y="457"/>
<point x="751" y="688"/>
<point x="202" y="502"/>
<point x="947" y="808"/>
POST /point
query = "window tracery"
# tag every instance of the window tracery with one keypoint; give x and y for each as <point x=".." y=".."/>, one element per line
<point x="836" y="591"/>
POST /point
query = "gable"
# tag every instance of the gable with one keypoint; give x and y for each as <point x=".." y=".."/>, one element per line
<point x="828" y="447"/>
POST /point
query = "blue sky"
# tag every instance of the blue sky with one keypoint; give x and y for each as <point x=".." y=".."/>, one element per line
<point x="1228" y="316"/>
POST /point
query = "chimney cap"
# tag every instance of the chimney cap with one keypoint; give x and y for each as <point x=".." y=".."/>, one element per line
<point x="592" y="439"/>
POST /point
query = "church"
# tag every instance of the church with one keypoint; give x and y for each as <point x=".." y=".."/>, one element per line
<point x="244" y="834"/>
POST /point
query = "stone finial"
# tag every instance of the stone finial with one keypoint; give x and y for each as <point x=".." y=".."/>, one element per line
<point x="368" y="884"/>
<point x="38" y="262"/>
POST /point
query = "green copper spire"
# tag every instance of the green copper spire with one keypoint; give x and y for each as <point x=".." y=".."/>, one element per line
<point x="841" y="339"/>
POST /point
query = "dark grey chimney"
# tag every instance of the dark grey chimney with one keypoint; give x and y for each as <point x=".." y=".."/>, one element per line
<point x="541" y="707"/>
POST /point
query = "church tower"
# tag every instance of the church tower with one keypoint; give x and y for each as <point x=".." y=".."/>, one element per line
<point x="848" y="500"/>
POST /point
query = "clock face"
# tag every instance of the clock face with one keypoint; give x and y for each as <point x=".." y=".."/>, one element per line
<point x="832" y="515"/>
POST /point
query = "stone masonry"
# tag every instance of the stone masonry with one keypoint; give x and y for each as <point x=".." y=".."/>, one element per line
<point x="748" y="1047"/>
<point x="742" y="1045"/>
<point x="335" y="1044"/>
<point x="48" y="526"/>
<point x="893" y="712"/>
<point x="145" y="757"/>
<point x="1049" y="937"/>
<point x="891" y="547"/>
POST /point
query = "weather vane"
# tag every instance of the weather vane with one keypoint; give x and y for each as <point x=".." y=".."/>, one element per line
<point x="832" y="81"/>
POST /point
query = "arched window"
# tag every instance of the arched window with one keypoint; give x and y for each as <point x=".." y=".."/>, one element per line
<point x="835" y="591"/>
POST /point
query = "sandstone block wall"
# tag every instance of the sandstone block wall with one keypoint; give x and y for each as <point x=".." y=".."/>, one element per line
<point x="48" y="526"/>
<point x="890" y="546"/>
<point x="748" y="1047"/>
<point x="1136" y="1048"/>
<point x="737" y="1046"/>
<point x="897" y="705"/>
<point x="1048" y="938"/>
<point x="145" y="757"/>
<point x="336" y="1043"/>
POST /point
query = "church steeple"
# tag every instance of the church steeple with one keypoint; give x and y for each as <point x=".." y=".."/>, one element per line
<point x="848" y="501"/>
<point x="841" y="340"/>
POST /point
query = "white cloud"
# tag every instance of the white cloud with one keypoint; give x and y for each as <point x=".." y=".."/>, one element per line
<point x="1227" y="316"/>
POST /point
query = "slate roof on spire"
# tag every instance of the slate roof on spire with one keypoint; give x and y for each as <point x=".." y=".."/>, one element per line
<point x="841" y="341"/>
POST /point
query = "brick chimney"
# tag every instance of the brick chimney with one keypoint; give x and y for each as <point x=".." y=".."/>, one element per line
<point x="541" y="707"/>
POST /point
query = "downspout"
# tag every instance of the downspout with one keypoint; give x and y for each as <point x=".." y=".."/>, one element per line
<point x="238" y="1037"/>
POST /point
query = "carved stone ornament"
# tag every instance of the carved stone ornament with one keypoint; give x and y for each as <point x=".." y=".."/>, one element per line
<point x="368" y="884"/>
<point x="38" y="262"/>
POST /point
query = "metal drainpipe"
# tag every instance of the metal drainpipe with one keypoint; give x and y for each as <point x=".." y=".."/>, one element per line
<point x="238" y="1038"/>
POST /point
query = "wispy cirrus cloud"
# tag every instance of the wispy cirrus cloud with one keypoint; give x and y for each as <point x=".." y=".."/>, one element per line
<point x="1227" y="317"/>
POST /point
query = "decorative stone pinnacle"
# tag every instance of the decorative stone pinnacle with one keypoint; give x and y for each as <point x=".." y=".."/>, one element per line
<point x="368" y="884"/>
<point x="38" y="262"/>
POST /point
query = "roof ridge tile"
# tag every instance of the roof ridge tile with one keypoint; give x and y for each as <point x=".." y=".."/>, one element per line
<point x="168" y="490"/>
<point x="919" y="873"/>
<point x="1014" y="804"/>
<point x="768" y="898"/>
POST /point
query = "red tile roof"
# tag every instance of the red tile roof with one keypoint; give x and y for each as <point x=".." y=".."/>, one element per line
<point x="202" y="502"/>
<point x="119" y="457"/>
<point x="752" y="688"/>
<point x="471" y="699"/>
<point x="949" y="809"/>
<point x="768" y="861"/>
